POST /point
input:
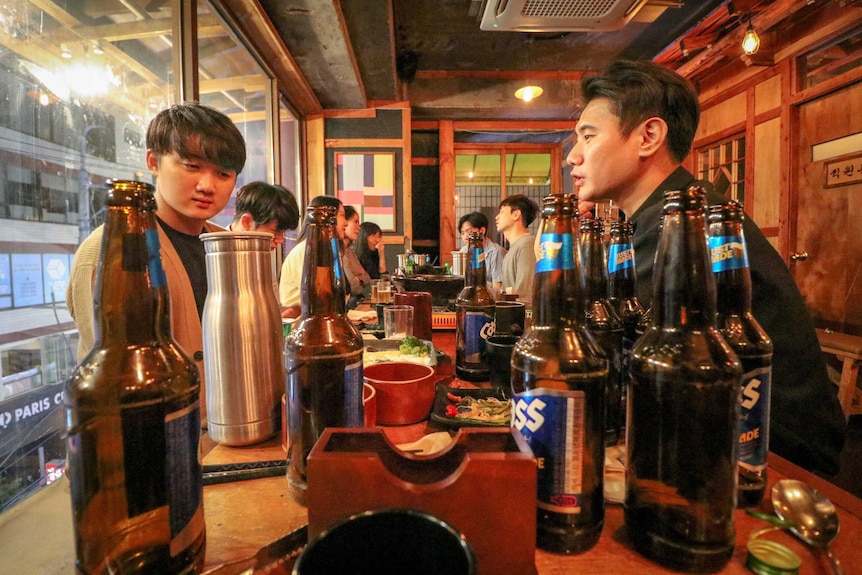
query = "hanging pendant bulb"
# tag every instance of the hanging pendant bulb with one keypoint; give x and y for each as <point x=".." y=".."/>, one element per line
<point x="751" y="41"/>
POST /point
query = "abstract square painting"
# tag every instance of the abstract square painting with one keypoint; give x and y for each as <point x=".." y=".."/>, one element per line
<point x="366" y="181"/>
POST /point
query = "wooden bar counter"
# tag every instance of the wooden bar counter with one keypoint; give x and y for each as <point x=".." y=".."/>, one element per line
<point x="245" y="517"/>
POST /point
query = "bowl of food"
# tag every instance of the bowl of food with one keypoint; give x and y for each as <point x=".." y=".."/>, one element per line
<point x="405" y="391"/>
<point x="442" y="287"/>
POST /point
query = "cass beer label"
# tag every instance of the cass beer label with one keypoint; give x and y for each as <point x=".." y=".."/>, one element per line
<point x="727" y="253"/>
<point x="161" y="465"/>
<point x="556" y="252"/>
<point x="620" y="257"/>
<point x="353" y="412"/>
<point x="478" y="326"/>
<point x="754" y="420"/>
<point x="552" y="422"/>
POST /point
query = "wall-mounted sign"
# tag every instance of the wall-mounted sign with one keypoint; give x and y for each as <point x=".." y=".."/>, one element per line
<point x="27" y="280"/>
<point x="844" y="171"/>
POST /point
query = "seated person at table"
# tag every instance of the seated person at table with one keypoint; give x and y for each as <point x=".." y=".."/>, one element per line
<point x="195" y="153"/>
<point x="262" y="207"/>
<point x="369" y="249"/>
<point x="291" y="269"/>
<point x="494" y="252"/>
<point x="636" y="129"/>
<point x="357" y="278"/>
<point x="519" y="264"/>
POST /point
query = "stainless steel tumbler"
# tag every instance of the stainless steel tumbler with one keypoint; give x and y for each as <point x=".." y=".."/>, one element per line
<point x="243" y="339"/>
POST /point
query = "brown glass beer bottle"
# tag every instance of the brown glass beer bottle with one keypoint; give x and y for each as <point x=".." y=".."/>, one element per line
<point x="474" y="316"/>
<point x="323" y="352"/>
<point x="133" y="412"/>
<point x="683" y="406"/>
<point x="559" y="374"/>
<point x="750" y="342"/>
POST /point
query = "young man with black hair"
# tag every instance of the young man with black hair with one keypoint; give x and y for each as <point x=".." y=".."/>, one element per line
<point x="637" y="127"/>
<point x="262" y="207"/>
<point x="494" y="252"/>
<point x="516" y="213"/>
<point x="195" y="153"/>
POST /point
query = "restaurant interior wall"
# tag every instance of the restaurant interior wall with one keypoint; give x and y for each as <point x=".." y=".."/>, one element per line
<point x="61" y="140"/>
<point x="783" y="112"/>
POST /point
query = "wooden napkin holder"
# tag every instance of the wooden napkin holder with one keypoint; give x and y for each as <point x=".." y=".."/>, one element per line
<point x="483" y="485"/>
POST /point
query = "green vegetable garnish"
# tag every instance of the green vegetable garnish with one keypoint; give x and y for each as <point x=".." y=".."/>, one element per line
<point x="412" y="345"/>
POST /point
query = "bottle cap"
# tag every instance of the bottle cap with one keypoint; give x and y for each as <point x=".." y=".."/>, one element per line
<point x="767" y="557"/>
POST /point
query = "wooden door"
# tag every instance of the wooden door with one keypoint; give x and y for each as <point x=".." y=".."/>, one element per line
<point x="829" y="219"/>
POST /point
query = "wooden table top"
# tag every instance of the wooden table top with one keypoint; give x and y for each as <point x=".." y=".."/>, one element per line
<point x="242" y="517"/>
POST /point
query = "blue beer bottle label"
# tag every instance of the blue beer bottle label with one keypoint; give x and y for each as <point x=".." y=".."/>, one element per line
<point x="353" y="410"/>
<point x="478" y="326"/>
<point x="336" y="261"/>
<point x="620" y="257"/>
<point x="727" y="253"/>
<point x="754" y="421"/>
<point x="478" y="259"/>
<point x="552" y="423"/>
<point x="556" y="252"/>
<point x="154" y="263"/>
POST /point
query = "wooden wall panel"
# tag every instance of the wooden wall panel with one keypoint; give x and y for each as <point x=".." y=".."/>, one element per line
<point x="316" y="154"/>
<point x="767" y="95"/>
<point x="721" y="116"/>
<point x="767" y="173"/>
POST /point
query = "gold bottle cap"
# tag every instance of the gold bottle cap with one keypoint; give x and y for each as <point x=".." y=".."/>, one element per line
<point x="767" y="557"/>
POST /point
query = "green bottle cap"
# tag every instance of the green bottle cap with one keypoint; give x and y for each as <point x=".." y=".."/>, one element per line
<point x="767" y="557"/>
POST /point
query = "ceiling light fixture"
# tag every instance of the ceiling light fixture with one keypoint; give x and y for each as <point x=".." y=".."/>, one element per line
<point x="751" y="41"/>
<point x="65" y="52"/>
<point x="528" y="93"/>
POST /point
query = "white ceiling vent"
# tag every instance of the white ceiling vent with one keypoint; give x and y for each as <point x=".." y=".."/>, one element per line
<point x="560" y="15"/>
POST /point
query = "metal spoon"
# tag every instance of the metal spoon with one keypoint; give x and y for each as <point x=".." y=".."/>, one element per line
<point x="812" y="512"/>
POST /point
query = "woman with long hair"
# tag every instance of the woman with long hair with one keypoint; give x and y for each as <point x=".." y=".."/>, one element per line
<point x="369" y="249"/>
<point x="357" y="278"/>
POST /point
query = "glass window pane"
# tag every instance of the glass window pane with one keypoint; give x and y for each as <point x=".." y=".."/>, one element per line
<point x="79" y="82"/>
<point x="233" y="82"/>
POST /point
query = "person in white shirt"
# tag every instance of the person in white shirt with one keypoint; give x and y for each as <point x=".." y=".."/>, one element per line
<point x="291" y="269"/>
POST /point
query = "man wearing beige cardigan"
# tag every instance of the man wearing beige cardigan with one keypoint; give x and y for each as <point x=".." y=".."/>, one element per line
<point x="195" y="153"/>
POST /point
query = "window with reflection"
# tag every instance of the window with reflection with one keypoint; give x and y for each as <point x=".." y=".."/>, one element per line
<point x="79" y="82"/>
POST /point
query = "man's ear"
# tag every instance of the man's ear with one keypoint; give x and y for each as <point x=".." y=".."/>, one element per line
<point x="247" y="222"/>
<point x="653" y="136"/>
<point x="152" y="163"/>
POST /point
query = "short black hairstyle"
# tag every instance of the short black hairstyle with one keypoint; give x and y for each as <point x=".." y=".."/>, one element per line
<point x="523" y="204"/>
<point x="476" y="219"/>
<point x="318" y="202"/>
<point x="266" y="203"/>
<point x="641" y="90"/>
<point x="193" y="130"/>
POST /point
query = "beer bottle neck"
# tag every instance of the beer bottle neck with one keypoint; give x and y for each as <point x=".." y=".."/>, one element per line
<point x="476" y="276"/>
<point x="684" y="293"/>
<point x="622" y="279"/>
<point x="322" y="291"/>
<point x="556" y="286"/>
<point x="730" y="266"/>
<point x="131" y="304"/>
<point x="593" y="264"/>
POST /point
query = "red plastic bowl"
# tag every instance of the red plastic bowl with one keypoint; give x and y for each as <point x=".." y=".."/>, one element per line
<point x="405" y="391"/>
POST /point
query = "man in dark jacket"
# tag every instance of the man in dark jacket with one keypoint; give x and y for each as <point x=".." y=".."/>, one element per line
<point x="636" y="129"/>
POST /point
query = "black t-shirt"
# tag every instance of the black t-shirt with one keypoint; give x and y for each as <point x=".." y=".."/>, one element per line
<point x="806" y="424"/>
<point x="193" y="255"/>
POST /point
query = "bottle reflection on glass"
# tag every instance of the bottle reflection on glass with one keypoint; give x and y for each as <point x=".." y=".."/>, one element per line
<point x="750" y="342"/>
<point x="323" y="352"/>
<point x="683" y="407"/>
<point x="133" y="412"/>
<point x="558" y="379"/>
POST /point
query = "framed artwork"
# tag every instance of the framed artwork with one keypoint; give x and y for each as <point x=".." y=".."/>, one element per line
<point x="366" y="181"/>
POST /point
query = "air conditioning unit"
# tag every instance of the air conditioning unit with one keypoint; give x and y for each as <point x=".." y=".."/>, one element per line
<point x="561" y="15"/>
